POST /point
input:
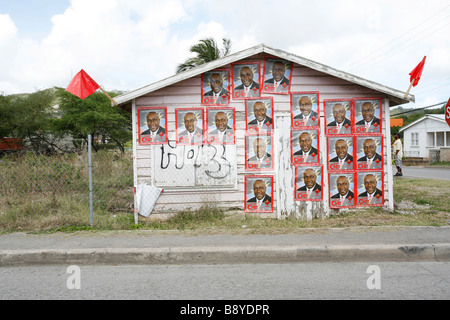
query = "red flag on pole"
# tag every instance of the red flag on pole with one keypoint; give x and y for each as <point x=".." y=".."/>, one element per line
<point x="417" y="73"/>
<point x="82" y="85"/>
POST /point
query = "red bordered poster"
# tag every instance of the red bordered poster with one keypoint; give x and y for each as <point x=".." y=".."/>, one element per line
<point x="216" y="87"/>
<point x="189" y="126"/>
<point x="245" y="80"/>
<point x="221" y="125"/>
<point x="369" y="152"/>
<point x="258" y="194"/>
<point x="152" y="125"/>
<point x="340" y="153"/>
<point x="259" y="152"/>
<point x="338" y="116"/>
<point x="370" y="189"/>
<point x="304" y="146"/>
<point x="259" y="114"/>
<point x="342" y="190"/>
<point x="305" y="109"/>
<point x="277" y="76"/>
<point x="309" y="183"/>
<point x="368" y="113"/>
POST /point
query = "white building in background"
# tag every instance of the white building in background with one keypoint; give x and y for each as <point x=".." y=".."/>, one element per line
<point x="429" y="133"/>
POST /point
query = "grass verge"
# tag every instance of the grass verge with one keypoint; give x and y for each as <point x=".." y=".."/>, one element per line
<point x="418" y="202"/>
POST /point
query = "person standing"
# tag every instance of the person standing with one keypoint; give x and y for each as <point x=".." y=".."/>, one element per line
<point x="398" y="154"/>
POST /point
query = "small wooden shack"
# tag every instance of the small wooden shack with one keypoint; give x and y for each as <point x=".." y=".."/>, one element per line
<point x="272" y="151"/>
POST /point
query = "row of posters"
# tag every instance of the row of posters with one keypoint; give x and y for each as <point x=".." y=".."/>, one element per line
<point x="347" y="189"/>
<point x="195" y="125"/>
<point x="245" y="80"/>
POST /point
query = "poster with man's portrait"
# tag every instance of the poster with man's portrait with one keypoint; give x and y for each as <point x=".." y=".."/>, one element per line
<point x="342" y="190"/>
<point x="189" y="126"/>
<point x="370" y="189"/>
<point x="220" y="123"/>
<point x="305" y="109"/>
<point x="259" y="152"/>
<point x="258" y="194"/>
<point x="246" y="80"/>
<point x="308" y="183"/>
<point x="277" y="76"/>
<point x="338" y="116"/>
<point x="368" y="113"/>
<point x="369" y="152"/>
<point x="340" y="153"/>
<point x="152" y="123"/>
<point x="259" y="114"/>
<point x="305" y="146"/>
<point x="216" y="87"/>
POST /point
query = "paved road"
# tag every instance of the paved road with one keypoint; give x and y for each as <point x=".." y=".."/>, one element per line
<point x="404" y="280"/>
<point x="425" y="172"/>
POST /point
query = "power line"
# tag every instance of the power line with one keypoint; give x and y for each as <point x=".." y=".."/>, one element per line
<point x="373" y="62"/>
<point x="418" y="109"/>
<point x="396" y="39"/>
<point x="363" y="61"/>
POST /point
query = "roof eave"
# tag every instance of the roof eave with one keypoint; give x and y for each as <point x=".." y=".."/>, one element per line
<point x="396" y="96"/>
<point x="427" y="116"/>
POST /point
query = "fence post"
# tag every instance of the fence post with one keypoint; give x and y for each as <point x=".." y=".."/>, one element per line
<point x="91" y="205"/>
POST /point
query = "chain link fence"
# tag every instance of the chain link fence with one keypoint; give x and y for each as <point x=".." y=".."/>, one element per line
<point x="52" y="191"/>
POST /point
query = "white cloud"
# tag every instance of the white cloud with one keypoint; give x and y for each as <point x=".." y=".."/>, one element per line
<point x="8" y="29"/>
<point x="126" y="44"/>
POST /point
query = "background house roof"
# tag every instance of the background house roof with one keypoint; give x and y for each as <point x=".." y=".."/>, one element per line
<point x="396" y="97"/>
<point x="436" y="117"/>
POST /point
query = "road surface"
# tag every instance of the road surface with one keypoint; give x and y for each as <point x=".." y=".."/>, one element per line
<point x="408" y="280"/>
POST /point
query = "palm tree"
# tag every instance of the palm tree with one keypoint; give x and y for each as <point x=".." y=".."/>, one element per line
<point x="207" y="50"/>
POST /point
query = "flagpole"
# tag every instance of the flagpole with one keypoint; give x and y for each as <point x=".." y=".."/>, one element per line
<point x="407" y="92"/>
<point x="108" y="96"/>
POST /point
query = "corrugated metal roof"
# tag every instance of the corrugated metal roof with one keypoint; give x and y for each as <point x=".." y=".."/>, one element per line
<point x="396" y="122"/>
<point x="395" y="96"/>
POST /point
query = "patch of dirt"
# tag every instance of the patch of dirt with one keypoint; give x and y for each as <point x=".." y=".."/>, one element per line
<point x="411" y="208"/>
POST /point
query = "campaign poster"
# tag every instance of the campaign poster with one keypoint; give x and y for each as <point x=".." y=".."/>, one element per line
<point x="246" y="80"/>
<point x="277" y="76"/>
<point x="342" y="190"/>
<point x="258" y="194"/>
<point x="259" y="114"/>
<point x="305" y="109"/>
<point x="259" y="152"/>
<point x="220" y="123"/>
<point x="368" y="113"/>
<point x="152" y="124"/>
<point x="216" y="88"/>
<point x="309" y="183"/>
<point x="189" y="126"/>
<point x="305" y="146"/>
<point x="370" y="189"/>
<point x="338" y="116"/>
<point x="369" y="152"/>
<point x="340" y="153"/>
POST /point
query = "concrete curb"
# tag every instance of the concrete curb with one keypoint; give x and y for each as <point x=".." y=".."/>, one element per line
<point x="226" y="255"/>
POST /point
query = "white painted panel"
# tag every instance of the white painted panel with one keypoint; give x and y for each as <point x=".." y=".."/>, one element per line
<point x="185" y="167"/>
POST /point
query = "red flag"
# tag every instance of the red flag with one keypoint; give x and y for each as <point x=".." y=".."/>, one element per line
<point x="82" y="85"/>
<point x="417" y="72"/>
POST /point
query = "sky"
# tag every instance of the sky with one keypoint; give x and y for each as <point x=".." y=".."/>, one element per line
<point x="127" y="44"/>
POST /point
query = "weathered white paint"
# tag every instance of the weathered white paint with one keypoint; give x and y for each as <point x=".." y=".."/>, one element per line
<point x="135" y="168"/>
<point x="389" y="186"/>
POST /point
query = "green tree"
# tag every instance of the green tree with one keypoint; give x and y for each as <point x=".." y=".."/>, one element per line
<point x="96" y="116"/>
<point x="29" y="117"/>
<point x="206" y="50"/>
<point x="6" y="116"/>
